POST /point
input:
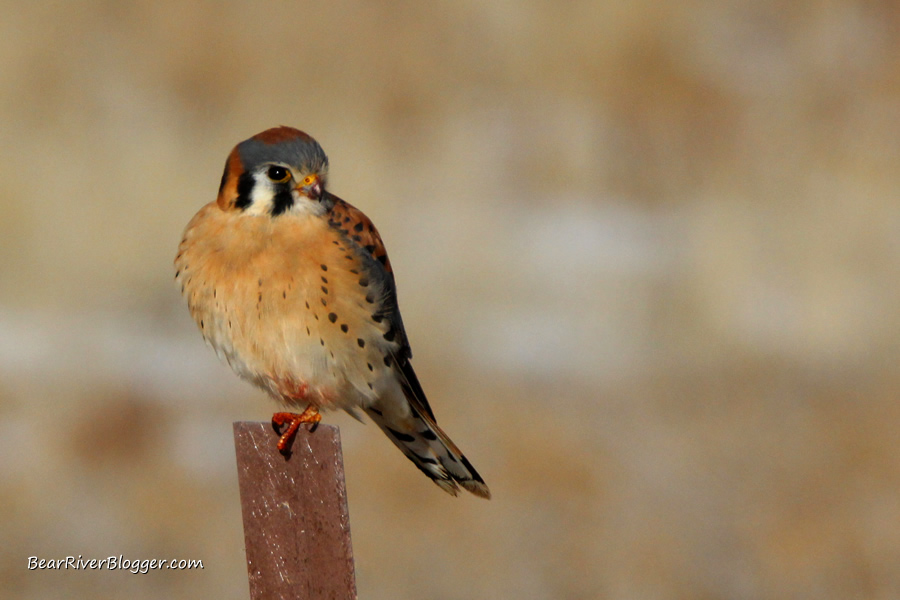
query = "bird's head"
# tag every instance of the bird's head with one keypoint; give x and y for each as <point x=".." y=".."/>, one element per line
<point x="279" y="171"/>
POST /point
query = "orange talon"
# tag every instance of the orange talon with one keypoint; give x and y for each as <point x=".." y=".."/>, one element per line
<point x="310" y="415"/>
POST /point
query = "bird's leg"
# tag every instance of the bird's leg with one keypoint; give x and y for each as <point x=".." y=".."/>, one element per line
<point x="310" y="415"/>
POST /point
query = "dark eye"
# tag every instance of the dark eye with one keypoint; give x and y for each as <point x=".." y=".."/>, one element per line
<point x="278" y="174"/>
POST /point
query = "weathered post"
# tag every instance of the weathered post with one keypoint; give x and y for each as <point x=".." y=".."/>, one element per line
<point x="296" y="521"/>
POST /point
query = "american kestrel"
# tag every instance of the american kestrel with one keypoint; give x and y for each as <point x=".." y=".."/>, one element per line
<point x="293" y="288"/>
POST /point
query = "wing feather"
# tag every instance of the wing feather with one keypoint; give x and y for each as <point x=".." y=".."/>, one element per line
<point x="360" y="234"/>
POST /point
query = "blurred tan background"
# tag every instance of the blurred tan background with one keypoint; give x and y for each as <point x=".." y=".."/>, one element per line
<point x="648" y="256"/>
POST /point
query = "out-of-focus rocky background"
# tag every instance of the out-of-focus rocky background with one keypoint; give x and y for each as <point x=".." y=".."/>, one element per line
<point x="648" y="257"/>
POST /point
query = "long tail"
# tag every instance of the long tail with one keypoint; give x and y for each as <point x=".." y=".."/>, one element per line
<point x="430" y="449"/>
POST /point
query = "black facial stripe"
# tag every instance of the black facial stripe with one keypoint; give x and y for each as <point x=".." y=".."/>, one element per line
<point x="244" y="190"/>
<point x="282" y="201"/>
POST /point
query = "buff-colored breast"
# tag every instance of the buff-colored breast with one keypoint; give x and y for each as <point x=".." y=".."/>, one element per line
<point x="286" y="302"/>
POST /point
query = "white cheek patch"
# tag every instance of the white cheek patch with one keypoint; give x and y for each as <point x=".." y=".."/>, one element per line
<point x="261" y="198"/>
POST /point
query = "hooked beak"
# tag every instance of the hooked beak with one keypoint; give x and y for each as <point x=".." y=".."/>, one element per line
<point x="311" y="187"/>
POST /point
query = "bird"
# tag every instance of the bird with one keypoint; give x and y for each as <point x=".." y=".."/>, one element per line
<point x="293" y="289"/>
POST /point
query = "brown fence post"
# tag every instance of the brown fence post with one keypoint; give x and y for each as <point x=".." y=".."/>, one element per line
<point x="296" y="522"/>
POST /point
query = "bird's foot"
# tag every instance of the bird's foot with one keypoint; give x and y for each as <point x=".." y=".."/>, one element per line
<point x="294" y="420"/>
